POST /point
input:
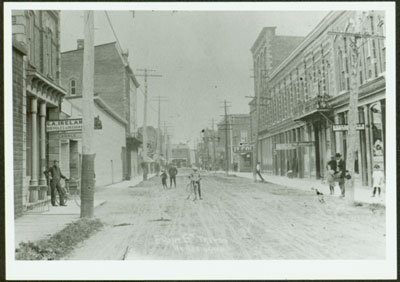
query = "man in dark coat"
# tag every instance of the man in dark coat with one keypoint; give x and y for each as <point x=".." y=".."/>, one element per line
<point x="341" y="172"/>
<point x="173" y="171"/>
<point x="55" y="175"/>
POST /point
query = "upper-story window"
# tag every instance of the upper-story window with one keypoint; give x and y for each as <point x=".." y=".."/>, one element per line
<point x="49" y="53"/>
<point x="72" y="87"/>
<point x="30" y="35"/>
<point x="342" y="72"/>
<point x="381" y="44"/>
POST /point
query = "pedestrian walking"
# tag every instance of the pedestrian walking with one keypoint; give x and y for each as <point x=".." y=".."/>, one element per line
<point x="341" y="173"/>
<point x="173" y="171"/>
<point x="164" y="179"/>
<point x="55" y="175"/>
<point x="378" y="179"/>
<point x="331" y="169"/>
<point x="195" y="181"/>
<point x="258" y="170"/>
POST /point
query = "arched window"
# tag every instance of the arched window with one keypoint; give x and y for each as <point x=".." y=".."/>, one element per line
<point x="72" y="87"/>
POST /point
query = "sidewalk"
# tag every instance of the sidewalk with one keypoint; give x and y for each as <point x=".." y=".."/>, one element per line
<point x="34" y="226"/>
<point x="38" y="225"/>
<point x="361" y="193"/>
<point x="132" y="182"/>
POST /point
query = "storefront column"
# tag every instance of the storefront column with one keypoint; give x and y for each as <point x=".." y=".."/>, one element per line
<point x="34" y="151"/>
<point x="368" y="144"/>
<point x="42" y="114"/>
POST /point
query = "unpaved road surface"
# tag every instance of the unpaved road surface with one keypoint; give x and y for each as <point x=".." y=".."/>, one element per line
<point x="237" y="219"/>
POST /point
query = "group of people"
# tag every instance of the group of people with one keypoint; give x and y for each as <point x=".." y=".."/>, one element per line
<point x="172" y="172"/>
<point x="194" y="177"/>
<point x="336" y="173"/>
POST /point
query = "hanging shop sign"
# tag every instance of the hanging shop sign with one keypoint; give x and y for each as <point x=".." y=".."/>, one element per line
<point x="242" y="149"/>
<point x="64" y="125"/>
<point x="345" y="127"/>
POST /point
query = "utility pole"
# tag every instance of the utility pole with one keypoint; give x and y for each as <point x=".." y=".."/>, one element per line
<point x="258" y="104"/>
<point x="226" y="139"/>
<point x="144" y="151"/>
<point x="231" y="138"/>
<point x="88" y="156"/>
<point x="159" y="99"/>
<point x="354" y="38"/>
<point x="213" y="140"/>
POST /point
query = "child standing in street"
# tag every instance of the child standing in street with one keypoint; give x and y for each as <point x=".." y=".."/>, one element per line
<point x="195" y="181"/>
<point x="378" y="178"/>
<point x="164" y="179"/>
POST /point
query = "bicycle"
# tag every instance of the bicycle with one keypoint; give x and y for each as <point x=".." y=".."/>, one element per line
<point x="69" y="194"/>
<point x="192" y="187"/>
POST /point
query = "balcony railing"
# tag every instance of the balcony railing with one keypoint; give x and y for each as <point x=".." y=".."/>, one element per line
<point x="317" y="103"/>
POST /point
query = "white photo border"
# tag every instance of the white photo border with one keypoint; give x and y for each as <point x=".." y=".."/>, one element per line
<point x="211" y="269"/>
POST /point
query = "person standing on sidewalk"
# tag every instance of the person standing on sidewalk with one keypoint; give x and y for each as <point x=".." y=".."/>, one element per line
<point x="55" y="175"/>
<point x="378" y="178"/>
<point x="258" y="170"/>
<point x="173" y="171"/>
<point x="331" y="168"/>
<point x="341" y="173"/>
<point x="164" y="179"/>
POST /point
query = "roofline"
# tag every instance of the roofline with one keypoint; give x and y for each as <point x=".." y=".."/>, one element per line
<point x="100" y="45"/>
<point x="326" y="21"/>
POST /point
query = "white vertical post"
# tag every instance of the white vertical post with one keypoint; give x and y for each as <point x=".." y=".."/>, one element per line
<point x="34" y="149"/>
<point x="42" y="114"/>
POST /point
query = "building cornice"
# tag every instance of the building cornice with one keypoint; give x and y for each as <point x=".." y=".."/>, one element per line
<point x="19" y="46"/>
<point x="308" y="40"/>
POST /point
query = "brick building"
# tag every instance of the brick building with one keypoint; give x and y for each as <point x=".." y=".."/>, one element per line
<point x="37" y="98"/>
<point x="18" y="54"/>
<point x="305" y="100"/>
<point x="115" y="86"/>
<point x="238" y="138"/>
<point x="180" y="155"/>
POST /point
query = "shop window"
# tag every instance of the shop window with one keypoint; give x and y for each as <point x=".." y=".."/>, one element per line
<point x="377" y="134"/>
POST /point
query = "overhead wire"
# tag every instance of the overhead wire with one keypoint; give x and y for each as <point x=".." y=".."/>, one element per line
<point x="116" y="38"/>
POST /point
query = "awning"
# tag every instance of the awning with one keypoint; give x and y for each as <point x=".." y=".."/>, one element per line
<point x="314" y="115"/>
<point x="133" y="143"/>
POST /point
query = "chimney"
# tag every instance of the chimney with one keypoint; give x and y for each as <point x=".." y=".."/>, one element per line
<point x="79" y="44"/>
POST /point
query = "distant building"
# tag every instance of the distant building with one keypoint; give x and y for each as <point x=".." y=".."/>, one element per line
<point x="180" y="155"/>
<point x="303" y="116"/>
<point x="37" y="98"/>
<point x="238" y="127"/>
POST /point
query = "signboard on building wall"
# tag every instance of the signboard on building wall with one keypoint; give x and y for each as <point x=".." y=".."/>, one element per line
<point x="64" y="125"/>
<point x="70" y="135"/>
<point x="345" y="127"/>
<point x="292" y="146"/>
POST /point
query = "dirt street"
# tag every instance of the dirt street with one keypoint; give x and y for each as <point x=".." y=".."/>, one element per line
<point x="237" y="219"/>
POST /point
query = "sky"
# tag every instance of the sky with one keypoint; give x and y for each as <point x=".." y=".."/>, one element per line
<point x="203" y="57"/>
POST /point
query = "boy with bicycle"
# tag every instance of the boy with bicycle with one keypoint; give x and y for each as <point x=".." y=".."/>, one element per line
<point x="195" y="183"/>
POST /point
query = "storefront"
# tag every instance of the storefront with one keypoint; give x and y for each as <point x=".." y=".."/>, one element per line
<point x="371" y="143"/>
<point x="242" y="158"/>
